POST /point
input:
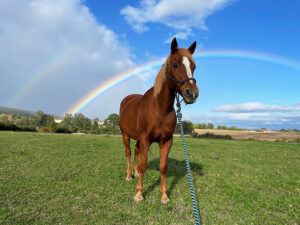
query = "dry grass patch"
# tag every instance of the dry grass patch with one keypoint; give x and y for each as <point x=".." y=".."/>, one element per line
<point x="263" y="136"/>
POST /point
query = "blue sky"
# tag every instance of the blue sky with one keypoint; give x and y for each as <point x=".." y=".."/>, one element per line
<point x="55" y="52"/>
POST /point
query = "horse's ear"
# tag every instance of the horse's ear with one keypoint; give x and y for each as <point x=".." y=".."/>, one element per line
<point x="174" y="46"/>
<point x="192" y="48"/>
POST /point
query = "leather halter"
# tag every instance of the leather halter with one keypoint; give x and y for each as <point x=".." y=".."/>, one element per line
<point x="179" y="81"/>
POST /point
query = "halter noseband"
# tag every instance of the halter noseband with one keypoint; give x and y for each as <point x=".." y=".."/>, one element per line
<point x="179" y="81"/>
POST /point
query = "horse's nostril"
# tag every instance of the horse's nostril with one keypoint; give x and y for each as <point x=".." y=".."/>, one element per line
<point x="195" y="94"/>
<point x="188" y="92"/>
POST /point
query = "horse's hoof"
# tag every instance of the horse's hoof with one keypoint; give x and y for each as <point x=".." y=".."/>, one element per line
<point x="128" y="178"/>
<point x="165" y="201"/>
<point x="138" y="199"/>
<point x="136" y="174"/>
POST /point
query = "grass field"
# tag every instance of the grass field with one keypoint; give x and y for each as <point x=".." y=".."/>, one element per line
<point x="69" y="179"/>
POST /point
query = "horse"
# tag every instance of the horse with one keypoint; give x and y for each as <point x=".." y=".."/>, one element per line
<point x="151" y="117"/>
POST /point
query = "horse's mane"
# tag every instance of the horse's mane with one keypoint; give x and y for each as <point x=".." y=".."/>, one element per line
<point x="159" y="80"/>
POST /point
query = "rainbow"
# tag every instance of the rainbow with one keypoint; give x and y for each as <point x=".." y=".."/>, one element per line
<point x="128" y="74"/>
<point x="46" y="69"/>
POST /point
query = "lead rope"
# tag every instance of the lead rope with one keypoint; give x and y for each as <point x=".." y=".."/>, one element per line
<point x="179" y="116"/>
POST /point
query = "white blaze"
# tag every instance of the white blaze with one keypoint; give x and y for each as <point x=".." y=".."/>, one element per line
<point x="186" y="63"/>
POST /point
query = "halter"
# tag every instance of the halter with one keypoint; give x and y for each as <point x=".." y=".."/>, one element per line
<point x="179" y="81"/>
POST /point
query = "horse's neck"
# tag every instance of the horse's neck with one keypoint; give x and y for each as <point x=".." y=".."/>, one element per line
<point x="166" y="98"/>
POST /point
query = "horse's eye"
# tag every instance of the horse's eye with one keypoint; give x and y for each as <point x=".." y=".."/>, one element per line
<point x="175" y="65"/>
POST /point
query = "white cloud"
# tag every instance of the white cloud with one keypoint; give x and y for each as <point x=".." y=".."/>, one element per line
<point x="180" y="35"/>
<point x="177" y="14"/>
<point x="254" y="107"/>
<point x="252" y="115"/>
<point x="59" y="49"/>
<point x="283" y="120"/>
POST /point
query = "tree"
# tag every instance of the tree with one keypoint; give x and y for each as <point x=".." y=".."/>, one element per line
<point x="67" y="122"/>
<point x="81" y="123"/>
<point x="233" y="128"/>
<point x="28" y="122"/>
<point x="95" y="125"/>
<point x="199" y="126"/>
<point x="187" y="127"/>
<point x="15" y="116"/>
<point x="112" y="120"/>
<point x="210" y="126"/>
<point x="41" y="118"/>
<point x="52" y="125"/>
<point x="4" y="119"/>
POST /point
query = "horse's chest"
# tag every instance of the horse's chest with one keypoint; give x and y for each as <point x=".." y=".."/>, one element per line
<point x="164" y="128"/>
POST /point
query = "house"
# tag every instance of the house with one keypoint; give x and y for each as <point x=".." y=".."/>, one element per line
<point x="58" y="120"/>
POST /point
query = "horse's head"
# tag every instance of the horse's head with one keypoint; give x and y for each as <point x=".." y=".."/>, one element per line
<point x="180" y="69"/>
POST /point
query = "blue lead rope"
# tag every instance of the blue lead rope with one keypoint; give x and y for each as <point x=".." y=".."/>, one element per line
<point x="179" y="116"/>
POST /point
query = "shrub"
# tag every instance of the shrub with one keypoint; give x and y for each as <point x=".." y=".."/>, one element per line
<point x="44" y="129"/>
<point x="211" y="135"/>
<point x="63" y="130"/>
<point x="284" y="140"/>
<point x="14" y="127"/>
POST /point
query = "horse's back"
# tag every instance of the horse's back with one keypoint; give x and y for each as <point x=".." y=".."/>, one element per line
<point x="128" y="99"/>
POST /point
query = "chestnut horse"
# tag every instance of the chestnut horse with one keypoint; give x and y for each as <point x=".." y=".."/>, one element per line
<point x="151" y="117"/>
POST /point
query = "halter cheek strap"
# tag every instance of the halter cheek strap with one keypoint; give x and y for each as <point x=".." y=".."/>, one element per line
<point x="178" y="81"/>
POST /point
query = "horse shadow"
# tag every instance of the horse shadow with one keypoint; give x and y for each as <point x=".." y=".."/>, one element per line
<point x="176" y="169"/>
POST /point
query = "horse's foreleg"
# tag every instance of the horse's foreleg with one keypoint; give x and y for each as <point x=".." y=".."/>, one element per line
<point x="164" y="152"/>
<point x="136" y="158"/>
<point x="144" y="145"/>
<point x="126" y="141"/>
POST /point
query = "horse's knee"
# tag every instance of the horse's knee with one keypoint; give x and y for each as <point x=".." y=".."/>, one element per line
<point x="127" y="152"/>
<point x="142" y="167"/>
<point x="136" y="151"/>
<point x="163" y="168"/>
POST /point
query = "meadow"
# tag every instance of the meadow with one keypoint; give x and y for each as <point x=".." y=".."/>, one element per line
<point x="72" y="179"/>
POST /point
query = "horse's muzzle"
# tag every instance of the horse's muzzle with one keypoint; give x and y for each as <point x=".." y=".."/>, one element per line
<point x="189" y="95"/>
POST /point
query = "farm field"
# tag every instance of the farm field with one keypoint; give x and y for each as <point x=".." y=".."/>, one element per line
<point x="263" y="136"/>
<point x="80" y="179"/>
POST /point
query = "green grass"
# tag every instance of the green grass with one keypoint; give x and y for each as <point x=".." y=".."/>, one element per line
<point x="68" y="179"/>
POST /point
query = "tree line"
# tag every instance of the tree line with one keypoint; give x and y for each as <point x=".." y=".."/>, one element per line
<point x="42" y="122"/>
<point x="211" y="126"/>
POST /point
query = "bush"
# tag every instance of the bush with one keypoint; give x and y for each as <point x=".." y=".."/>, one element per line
<point x="284" y="140"/>
<point x="44" y="129"/>
<point x="108" y="130"/>
<point x="14" y="127"/>
<point x="63" y="130"/>
<point x="211" y="135"/>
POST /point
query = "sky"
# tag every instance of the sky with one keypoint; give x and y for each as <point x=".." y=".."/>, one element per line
<point x="54" y="54"/>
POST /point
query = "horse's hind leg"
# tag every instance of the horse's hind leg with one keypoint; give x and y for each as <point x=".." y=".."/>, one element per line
<point x="164" y="152"/>
<point x="144" y="146"/>
<point x="126" y="141"/>
<point x="136" y="158"/>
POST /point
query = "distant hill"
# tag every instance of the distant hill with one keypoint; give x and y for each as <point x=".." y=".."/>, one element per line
<point x="21" y="112"/>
